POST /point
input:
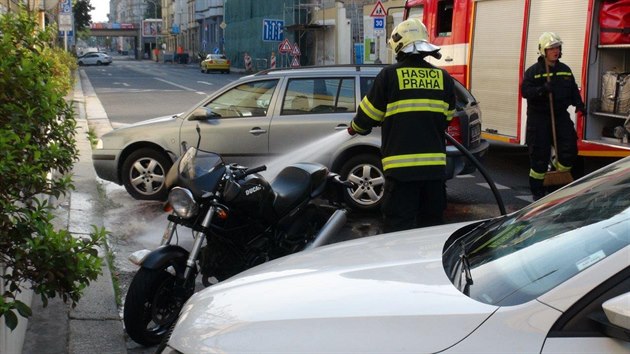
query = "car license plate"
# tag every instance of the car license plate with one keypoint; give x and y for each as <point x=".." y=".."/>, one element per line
<point x="475" y="134"/>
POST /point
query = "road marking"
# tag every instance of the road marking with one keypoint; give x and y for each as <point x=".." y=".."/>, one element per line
<point x="527" y="198"/>
<point x="119" y="90"/>
<point x="465" y="176"/>
<point x="201" y="93"/>
<point x="205" y="83"/>
<point x="486" y="185"/>
<point x="176" y="85"/>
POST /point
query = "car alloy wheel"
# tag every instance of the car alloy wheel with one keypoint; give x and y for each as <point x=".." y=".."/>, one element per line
<point x="144" y="173"/>
<point x="366" y="173"/>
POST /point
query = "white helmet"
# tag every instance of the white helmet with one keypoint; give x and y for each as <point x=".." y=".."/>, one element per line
<point x="411" y="36"/>
<point x="548" y="40"/>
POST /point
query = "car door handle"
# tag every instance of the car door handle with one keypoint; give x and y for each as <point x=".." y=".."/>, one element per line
<point x="341" y="127"/>
<point x="449" y="59"/>
<point x="257" y="131"/>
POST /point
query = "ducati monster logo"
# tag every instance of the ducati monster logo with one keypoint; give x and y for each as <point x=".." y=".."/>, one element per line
<point x="253" y="190"/>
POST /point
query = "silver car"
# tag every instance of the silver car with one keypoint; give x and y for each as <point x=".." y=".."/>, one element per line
<point x="275" y="117"/>
<point x="94" y="58"/>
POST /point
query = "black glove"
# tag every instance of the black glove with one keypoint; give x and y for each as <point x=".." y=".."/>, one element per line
<point x="581" y="110"/>
<point x="351" y="131"/>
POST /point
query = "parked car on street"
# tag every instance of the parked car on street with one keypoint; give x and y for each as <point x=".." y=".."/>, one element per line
<point x="94" y="58"/>
<point x="269" y="114"/>
<point x="553" y="277"/>
<point x="215" y="62"/>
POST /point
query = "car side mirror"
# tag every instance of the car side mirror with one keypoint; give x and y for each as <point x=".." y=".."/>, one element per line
<point x="615" y="320"/>
<point x="617" y="311"/>
<point x="202" y="113"/>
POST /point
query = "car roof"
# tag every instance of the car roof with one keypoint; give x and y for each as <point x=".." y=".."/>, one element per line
<point x="347" y="69"/>
<point x="319" y="70"/>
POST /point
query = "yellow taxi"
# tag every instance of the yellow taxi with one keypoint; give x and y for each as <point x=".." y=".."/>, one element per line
<point x="216" y="62"/>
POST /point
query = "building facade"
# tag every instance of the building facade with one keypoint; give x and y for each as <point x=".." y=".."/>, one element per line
<point x="319" y="32"/>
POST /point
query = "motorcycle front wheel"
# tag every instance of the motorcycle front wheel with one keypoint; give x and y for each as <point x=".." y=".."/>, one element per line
<point x="153" y="302"/>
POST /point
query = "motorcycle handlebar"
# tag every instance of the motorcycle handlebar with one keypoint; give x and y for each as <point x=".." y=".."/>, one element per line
<point x="250" y="171"/>
<point x="345" y="183"/>
<point x="240" y="173"/>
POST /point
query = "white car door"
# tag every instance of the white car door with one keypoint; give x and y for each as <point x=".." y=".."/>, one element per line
<point x="581" y="327"/>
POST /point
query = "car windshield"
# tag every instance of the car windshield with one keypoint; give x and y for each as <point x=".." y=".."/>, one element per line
<point x="516" y="258"/>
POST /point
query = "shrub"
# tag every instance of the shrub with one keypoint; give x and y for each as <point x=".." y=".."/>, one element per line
<point x="37" y="128"/>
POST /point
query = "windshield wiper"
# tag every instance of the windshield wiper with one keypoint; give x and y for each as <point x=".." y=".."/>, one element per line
<point x="465" y="268"/>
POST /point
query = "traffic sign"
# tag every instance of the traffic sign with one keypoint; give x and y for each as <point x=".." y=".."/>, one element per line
<point x="296" y="50"/>
<point x="285" y="47"/>
<point x="378" y="10"/>
<point x="65" y="6"/>
<point x="295" y="63"/>
<point x="273" y="30"/>
<point x="65" y="21"/>
<point x="379" y="25"/>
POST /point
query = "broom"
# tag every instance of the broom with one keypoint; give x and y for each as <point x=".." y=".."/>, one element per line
<point x="555" y="178"/>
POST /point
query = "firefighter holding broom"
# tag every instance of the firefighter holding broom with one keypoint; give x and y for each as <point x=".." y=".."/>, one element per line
<point x="550" y="88"/>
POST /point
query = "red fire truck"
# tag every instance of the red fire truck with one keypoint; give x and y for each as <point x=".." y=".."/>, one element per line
<point x="488" y="44"/>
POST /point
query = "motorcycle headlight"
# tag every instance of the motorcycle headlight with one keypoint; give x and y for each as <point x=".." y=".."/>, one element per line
<point x="183" y="203"/>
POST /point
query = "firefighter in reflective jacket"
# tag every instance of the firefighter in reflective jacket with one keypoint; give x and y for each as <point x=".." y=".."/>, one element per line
<point x="536" y="88"/>
<point x="412" y="101"/>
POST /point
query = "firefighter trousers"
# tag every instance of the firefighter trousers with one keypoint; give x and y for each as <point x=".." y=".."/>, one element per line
<point x="540" y="141"/>
<point x="410" y="204"/>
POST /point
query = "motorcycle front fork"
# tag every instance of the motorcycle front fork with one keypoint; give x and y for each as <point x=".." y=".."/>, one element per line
<point x="199" y="238"/>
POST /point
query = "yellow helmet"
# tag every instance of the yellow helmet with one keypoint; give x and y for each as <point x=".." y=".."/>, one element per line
<point x="411" y="36"/>
<point x="548" y="40"/>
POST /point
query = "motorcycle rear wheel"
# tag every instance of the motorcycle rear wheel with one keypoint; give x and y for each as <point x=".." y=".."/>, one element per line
<point x="152" y="305"/>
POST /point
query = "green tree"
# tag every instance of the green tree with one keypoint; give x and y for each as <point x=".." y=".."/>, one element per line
<point x="81" y="10"/>
<point x="37" y="128"/>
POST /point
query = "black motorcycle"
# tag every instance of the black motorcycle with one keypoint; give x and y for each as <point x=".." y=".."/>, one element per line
<point x="238" y="220"/>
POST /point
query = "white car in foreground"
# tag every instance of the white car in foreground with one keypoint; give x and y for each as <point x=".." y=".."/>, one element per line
<point x="553" y="277"/>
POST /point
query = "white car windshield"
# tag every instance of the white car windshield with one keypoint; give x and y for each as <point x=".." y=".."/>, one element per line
<point x="516" y="258"/>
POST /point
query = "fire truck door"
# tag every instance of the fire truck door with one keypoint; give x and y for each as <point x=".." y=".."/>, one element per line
<point x="494" y="67"/>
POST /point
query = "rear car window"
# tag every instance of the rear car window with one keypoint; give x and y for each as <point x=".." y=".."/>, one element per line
<point x="325" y="95"/>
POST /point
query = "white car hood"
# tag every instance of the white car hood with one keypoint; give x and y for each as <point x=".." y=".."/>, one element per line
<point x="377" y="294"/>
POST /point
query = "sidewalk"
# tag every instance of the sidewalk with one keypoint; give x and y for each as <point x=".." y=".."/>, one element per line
<point x="94" y="326"/>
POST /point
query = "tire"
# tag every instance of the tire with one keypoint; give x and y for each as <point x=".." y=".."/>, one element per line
<point x="152" y="305"/>
<point x="143" y="174"/>
<point x="81" y="63"/>
<point x="366" y="172"/>
<point x="99" y="63"/>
